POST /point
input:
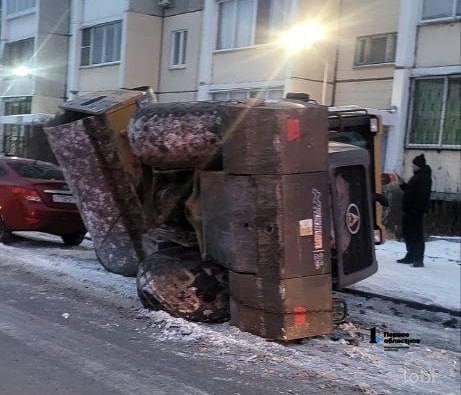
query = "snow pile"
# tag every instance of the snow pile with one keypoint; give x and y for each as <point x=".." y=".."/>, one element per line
<point x="172" y="328"/>
<point x="438" y="283"/>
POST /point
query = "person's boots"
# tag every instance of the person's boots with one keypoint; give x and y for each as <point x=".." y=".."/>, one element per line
<point x="406" y="260"/>
<point x="418" y="264"/>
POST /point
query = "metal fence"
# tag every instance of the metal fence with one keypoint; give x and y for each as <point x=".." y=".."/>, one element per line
<point x="13" y="139"/>
<point x="23" y="136"/>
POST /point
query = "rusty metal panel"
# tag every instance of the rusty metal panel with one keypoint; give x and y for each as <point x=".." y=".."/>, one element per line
<point x="256" y="139"/>
<point x="229" y="221"/>
<point x="106" y="196"/>
<point x="280" y="224"/>
<point x="243" y="223"/>
<point x="311" y="293"/>
<point x="276" y="139"/>
<point x="218" y="243"/>
<point x="280" y="326"/>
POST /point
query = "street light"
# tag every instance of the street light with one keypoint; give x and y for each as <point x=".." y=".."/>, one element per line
<point x="304" y="36"/>
<point x="22" y="71"/>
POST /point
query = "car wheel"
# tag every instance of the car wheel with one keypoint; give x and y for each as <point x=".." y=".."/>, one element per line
<point x="5" y="234"/>
<point x="73" y="239"/>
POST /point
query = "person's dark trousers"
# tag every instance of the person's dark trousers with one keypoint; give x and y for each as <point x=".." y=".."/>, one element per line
<point x="413" y="234"/>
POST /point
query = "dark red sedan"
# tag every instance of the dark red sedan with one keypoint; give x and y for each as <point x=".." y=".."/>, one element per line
<point x="35" y="197"/>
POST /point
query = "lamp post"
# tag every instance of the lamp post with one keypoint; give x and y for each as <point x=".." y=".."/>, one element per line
<point x="22" y="71"/>
<point x="325" y="82"/>
<point x="17" y="71"/>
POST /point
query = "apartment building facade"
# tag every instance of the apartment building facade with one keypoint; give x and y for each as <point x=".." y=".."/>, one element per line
<point x="113" y="44"/>
<point x="34" y="36"/>
<point x="129" y="43"/>
<point x="401" y="56"/>
<point x="427" y="92"/>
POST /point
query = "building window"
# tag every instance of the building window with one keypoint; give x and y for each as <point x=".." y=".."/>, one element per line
<point x="375" y="49"/>
<point x="273" y="17"/>
<point x="17" y="105"/>
<point x="243" y="23"/>
<point x="101" y="44"/>
<point x="441" y="9"/>
<point x="436" y="112"/>
<point x="244" y="94"/>
<point x="13" y="141"/>
<point x="18" y="53"/>
<point x="17" y="6"/>
<point x="178" y="48"/>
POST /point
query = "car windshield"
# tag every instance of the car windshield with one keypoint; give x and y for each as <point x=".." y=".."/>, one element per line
<point x="36" y="170"/>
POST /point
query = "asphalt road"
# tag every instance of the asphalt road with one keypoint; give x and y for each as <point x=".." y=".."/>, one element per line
<point x="99" y="349"/>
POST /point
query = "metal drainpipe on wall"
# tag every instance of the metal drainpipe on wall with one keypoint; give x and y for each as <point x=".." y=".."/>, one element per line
<point x="73" y="66"/>
<point x="206" y="50"/>
<point x="336" y="64"/>
<point x="160" y="58"/>
<point x="404" y="62"/>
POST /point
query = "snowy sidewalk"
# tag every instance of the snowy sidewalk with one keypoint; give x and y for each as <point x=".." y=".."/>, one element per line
<point x="438" y="283"/>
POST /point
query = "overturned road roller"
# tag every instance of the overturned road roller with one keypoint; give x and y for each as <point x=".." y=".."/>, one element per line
<point x="222" y="210"/>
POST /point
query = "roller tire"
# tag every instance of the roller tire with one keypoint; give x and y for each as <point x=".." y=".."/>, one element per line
<point x="177" y="281"/>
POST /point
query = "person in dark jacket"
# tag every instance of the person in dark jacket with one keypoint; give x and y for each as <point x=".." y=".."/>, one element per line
<point x="416" y="197"/>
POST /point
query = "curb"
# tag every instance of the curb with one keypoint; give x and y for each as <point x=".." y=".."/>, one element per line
<point x="410" y="303"/>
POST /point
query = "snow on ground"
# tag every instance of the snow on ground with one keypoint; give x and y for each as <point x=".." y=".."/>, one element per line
<point x="47" y="254"/>
<point x="346" y="356"/>
<point x="438" y="283"/>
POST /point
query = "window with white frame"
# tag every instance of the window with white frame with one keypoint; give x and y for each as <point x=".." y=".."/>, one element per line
<point x="436" y="112"/>
<point x="101" y="44"/>
<point x="376" y="49"/>
<point x="178" y="48"/>
<point x="17" y="6"/>
<point x="244" y="94"/>
<point x="441" y="9"/>
<point x="243" y="23"/>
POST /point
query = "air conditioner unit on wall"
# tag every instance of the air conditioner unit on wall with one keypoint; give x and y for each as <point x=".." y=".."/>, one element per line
<point x="165" y="3"/>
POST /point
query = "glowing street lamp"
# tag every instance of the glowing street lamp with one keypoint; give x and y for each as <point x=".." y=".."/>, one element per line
<point x="302" y="37"/>
<point x="22" y="71"/>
